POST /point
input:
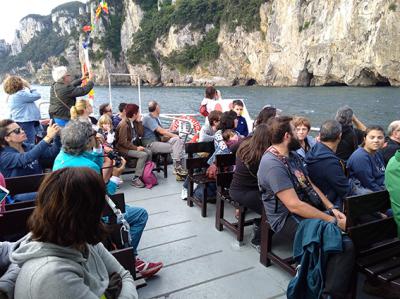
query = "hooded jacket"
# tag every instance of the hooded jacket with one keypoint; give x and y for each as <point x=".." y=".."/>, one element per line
<point x="52" y="271"/>
<point x="8" y="271"/>
<point x="325" y="171"/>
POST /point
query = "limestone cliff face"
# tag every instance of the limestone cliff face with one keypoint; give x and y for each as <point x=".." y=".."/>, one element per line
<point x="313" y="43"/>
<point x="297" y="43"/>
<point x="28" y="28"/>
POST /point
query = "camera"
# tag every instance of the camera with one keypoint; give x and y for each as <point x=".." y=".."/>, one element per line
<point x="113" y="155"/>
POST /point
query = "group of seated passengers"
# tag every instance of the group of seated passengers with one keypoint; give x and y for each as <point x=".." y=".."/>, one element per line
<point x="285" y="179"/>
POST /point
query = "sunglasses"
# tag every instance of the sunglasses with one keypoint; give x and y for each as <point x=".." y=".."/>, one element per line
<point x="16" y="131"/>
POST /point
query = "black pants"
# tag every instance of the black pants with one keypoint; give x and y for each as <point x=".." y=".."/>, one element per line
<point x="339" y="267"/>
<point x="248" y="198"/>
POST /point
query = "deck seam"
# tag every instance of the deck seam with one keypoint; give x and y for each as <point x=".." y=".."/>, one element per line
<point x="167" y="294"/>
<point x="153" y="197"/>
<point x="193" y="258"/>
<point x="156" y="213"/>
<point x="169" y="242"/>
<point x="166" y="225"/>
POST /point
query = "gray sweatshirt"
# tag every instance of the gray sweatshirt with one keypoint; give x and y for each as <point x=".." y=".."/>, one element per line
<point x="8" y="271"/>
<point x="53" y="271"/>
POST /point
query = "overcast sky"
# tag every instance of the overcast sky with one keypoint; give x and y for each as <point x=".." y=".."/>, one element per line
<point x="14" y="10"/>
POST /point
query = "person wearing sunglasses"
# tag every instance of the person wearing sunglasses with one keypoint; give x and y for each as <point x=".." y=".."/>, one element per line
<point x="18" y="158"/>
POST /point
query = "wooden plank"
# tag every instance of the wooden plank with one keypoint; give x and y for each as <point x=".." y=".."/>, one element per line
<point x="13" y="224"/>
<point x="199" y="147"/>
<point x="24" y="184"/>
<point x="366" y="235"/>
<point x="356" y="206"/>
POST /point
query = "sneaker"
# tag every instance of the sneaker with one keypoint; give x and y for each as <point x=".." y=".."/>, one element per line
<point x="179" y="170"/>
<point x="184" y="193"/>
<point x="147" y="269"/>
<point x="179" y="178"/>
<point x="137" y="183"/>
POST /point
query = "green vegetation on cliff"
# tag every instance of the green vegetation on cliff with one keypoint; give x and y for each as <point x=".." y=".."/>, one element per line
<point x="198" y="13"/>
<point x="47" y="43"/>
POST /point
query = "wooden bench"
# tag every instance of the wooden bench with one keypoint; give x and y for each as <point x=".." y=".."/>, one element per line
<point x="198" y="163"/>
<point x="13" y="224"/>
<point x="375" y="239"/>
<point x="24" y="184"/>
<point x="266" y="254"/>
<point x="224" y="179"/>
<point x="161" y="161"/>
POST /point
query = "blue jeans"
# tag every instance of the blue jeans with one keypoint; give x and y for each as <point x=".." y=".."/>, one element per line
<point x="31" y="128"/>
<point x="137" y="219"/>
<point x="24" y="196"/>
<point x="61" y="122"/>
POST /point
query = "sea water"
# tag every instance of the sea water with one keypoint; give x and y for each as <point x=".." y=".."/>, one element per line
<point x="372" y="105"/>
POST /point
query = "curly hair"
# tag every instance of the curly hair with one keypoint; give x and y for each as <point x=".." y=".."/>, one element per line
<point x="13" y="84"/>
<point x="301" y="121"/>
<point x="69" y="206"/>
<point x="75" y="137"/>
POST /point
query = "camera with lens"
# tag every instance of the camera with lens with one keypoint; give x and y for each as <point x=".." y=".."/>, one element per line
<point x="113" y="155"/>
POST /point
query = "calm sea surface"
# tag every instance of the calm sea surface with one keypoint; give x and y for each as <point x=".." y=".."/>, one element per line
<point x="371" y="105"/>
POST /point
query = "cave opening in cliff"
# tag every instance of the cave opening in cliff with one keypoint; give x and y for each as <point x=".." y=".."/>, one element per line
<point x="382" y="81"/>
<point x="335" y="83"/>
<point x="251" y="82"/>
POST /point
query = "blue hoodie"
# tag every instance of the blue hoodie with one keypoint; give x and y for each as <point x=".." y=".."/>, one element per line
<point x="14" y="163"/>
<point x="369" y="169"/>
<point x="325" y="171"/>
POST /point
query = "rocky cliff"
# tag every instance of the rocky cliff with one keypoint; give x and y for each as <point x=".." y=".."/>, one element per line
<point x="197" y="42"/>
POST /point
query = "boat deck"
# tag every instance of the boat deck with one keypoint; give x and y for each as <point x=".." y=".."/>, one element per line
<point x="199" y="261"/>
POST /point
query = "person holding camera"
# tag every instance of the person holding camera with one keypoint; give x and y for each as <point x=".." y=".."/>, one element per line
<point x="128" y="141"/>
<point x="80" y="148"/>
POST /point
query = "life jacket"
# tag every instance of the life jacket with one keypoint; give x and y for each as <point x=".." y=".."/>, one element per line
<point x="148" y="177"/>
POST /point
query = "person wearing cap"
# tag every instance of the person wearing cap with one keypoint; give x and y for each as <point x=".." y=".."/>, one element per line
<point x="63" y="94"/>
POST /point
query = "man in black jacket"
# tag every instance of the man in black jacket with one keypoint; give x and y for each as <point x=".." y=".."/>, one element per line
<point x="63" y="94"/>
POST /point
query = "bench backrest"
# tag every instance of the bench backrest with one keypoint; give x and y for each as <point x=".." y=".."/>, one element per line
<point x="20" y="205"/>
<point x="24" y="184"/>
<point x="224" y="164"/>
<point x="364" y="227"/>
<point x="199" y="147"/>
<point x="119" y="200"/>
<point x="13" y="224"/>
<point x="224" y="160"/>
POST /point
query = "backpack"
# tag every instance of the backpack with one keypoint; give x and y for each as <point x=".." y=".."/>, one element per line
<point x="148" y="177"/>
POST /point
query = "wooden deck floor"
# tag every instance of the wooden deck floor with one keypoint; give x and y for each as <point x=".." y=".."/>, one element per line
<point x="199" y="261"/>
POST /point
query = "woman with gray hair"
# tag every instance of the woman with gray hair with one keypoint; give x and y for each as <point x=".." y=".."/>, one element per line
<point x="351" y="137"/>
<point x="63" y="94"/>
<point x="80" y="148"/>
